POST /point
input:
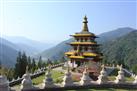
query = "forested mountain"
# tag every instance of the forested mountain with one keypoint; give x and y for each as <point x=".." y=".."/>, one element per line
<point x="111" y="35"/>
<point x="122" y="50"/>
<point x="57" y="52"/>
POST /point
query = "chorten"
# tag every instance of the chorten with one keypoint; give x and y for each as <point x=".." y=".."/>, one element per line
<point x="67" y="80"/>
<point x="48" y="81"/>
<point x="84" y="48"/>
<point x="135" y="81"/>
<point x="26" y="82"/>
<point x="120" y="78"/>
<point x="103" y="76"/>
<point x="85" y="79"/>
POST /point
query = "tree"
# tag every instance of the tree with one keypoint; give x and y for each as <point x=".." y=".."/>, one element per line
<point x="63" y="59"/>
<point x="134" y="68"/>
<point x="55" y="62"/>
<point x="17" y="65"/>
<point x="24" y="63"/>
<point x="8" y="72"/>
<point x="33" y="65"/>
<point x="49" y="62"/>
<point x="29" y="63"/>
<point x="21" y="63"/>
<point x="40" y="62"/>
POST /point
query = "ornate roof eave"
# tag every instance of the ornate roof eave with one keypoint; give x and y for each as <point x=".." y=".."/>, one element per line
<point x="77" y="57"/>
<point x="85" y="42"/>
<point x="83" y="35"/>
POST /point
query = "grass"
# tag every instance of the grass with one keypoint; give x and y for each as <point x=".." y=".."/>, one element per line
<point x="112" y="78"/>
<point x="56" y="75"/>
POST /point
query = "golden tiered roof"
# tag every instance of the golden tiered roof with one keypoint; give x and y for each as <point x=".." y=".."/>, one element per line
<point x="83" y="35"/>
<point x="83" y="43"/>
<point x="70" y="53"/>
<point x="77" y="57"/>
<point x="84" y="38"/>
<point x="89" y="54"/>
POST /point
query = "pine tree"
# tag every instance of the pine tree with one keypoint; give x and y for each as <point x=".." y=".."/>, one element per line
<point x="24" y="63"/>
<point x="63" y="59"/>
<point x="49" y="62"/>
<point x="40" y="62"/>
<point x="33" y="65"/>
<point x="21" y="63"/>
<point x="17" y="65"/>
<point x="29" y="63"/>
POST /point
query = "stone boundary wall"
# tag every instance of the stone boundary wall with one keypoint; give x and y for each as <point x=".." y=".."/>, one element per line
<point x="68" y="84"/>
<point x="92" y="86"/>
<point x="34" y="75"/>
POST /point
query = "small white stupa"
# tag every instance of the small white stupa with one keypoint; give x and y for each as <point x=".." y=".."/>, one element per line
<point x="26" y="82"/>
<point x="48" y="81"/>
<point x="67" y="80"/>
<point x="85" y="79"/>
<point x="120" y="78"/>
<point x="4" y="83"/>
<point x="103" y="76"/>
<point x="135" y="81"/>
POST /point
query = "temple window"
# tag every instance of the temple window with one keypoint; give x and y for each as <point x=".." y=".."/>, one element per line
<point x="81" y="39"/>
<point x="85" y="39"/>
<point x="77" y="39"/>
<point x="86" y="48"/>
<point x="75" y="48"/>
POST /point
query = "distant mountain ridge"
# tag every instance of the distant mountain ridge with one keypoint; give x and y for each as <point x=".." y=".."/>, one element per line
<point x="111" y="35"/>
<point x="31" y="47"/>
<point x="8" y="53"/>
<point x="10" y="46"/>
<point x="55" y="53"/>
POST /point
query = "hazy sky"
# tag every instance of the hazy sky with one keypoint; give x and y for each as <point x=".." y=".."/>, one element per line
<point x="48" y="20"/>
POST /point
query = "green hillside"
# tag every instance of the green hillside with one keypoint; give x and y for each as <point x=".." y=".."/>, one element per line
<point x="122" y="50"/>
<point x="57" y="52"/>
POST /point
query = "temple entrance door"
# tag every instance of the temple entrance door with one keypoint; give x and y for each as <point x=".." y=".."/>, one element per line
<point x="91" y="74"/>
<point x="78" y="63"/>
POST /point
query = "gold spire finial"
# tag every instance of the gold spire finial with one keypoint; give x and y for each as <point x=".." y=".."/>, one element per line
<point x="85" y="26"/>
<point x="85" y="19"/>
